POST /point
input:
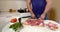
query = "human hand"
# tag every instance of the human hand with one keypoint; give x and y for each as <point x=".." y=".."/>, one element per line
<point x="42" y="17"/>
<point x="32" y="15"/>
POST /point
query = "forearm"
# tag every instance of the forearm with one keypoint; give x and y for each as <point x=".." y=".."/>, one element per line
<point x="30" y="8"/>
<point x="47" y="8"/>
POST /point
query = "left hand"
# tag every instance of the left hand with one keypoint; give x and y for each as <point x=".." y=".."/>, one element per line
<point x="42" y="17"/>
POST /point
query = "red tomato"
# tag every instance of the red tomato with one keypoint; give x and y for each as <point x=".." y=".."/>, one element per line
<point x="13" y="20"/>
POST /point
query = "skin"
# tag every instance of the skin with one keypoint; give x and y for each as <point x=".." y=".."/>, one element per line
<point x="47" y="8"/>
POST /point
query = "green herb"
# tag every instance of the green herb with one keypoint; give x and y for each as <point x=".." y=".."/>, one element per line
<point x="16" y="25"/>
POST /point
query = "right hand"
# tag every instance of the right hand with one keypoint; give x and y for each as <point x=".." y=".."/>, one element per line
<point x="32" y="15"/>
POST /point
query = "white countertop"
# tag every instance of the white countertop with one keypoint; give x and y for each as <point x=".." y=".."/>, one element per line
<point x="6" y="16"/>
<point x="32" y="28"/>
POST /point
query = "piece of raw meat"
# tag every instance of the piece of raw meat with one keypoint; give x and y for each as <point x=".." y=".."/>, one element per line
<point x="52" y="26"/>
<point x="35" y="22"/>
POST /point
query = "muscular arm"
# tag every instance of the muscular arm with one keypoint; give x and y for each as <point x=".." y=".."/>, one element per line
<point x="48" y="6"/>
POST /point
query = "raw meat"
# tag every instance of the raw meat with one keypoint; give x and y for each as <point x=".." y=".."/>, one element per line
<point x="35" y="22"/>
<point x="52" y="26"/>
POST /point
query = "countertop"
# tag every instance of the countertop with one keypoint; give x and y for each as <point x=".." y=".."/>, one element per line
<point x="5" y="17"/>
